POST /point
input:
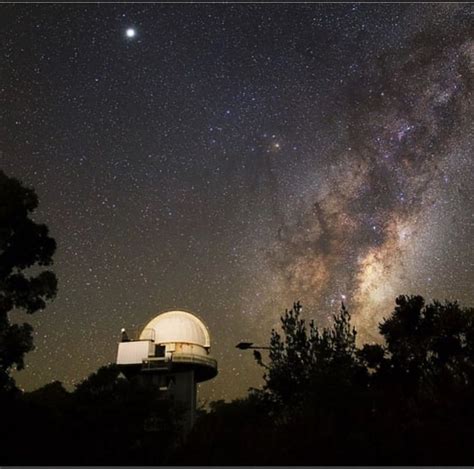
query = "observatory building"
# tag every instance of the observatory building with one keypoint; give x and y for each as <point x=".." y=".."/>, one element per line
<point x="171" y="353"/>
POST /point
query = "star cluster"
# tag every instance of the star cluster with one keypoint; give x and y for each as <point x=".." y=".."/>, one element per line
<point x="232" y="158"/>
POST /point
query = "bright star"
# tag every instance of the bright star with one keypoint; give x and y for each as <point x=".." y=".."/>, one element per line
<point x="130" y="32"/>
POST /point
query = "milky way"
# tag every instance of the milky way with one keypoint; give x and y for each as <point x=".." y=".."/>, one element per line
<point x="403" y="131"/>
<point x="231" y="159"/>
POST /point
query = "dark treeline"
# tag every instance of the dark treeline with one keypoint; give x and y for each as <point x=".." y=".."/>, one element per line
<point x="408" y="401"/>
<point x="325" y="400"/>
<point x="106" y="420"/>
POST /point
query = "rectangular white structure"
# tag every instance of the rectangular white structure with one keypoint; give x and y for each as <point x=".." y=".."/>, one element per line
<point x="133" y="353"/>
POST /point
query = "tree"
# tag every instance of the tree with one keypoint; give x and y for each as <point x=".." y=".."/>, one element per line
<point x="422" y="382"/>
<point x="388" y="402"/>
<point x="24" y="244"/>
<point x="427" y="347"/>
<point x="121" y="421"/>
<point x="305" y="359"/>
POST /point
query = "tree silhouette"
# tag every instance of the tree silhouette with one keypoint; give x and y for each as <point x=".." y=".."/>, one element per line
<point x="387" y="403"/>
<point x="422" y="382"/>
<point x="427" y="348"/>
<point x="305" y="359"/>
<point x="122" y="421"/>
<point x="23" y="244"/>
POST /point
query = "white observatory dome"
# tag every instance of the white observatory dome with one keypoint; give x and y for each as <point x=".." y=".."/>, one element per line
<point x="176" y="327"/>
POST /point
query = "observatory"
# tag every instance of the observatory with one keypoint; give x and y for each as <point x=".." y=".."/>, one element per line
<point x="171" y="353"/>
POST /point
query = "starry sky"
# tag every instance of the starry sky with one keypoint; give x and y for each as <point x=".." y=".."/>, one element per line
<point x="229" y="159"/>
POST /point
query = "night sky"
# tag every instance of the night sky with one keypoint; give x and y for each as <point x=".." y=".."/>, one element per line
<point x="231" y="159"/>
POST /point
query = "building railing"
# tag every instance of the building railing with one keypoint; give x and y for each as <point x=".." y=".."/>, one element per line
<point x="191" y="358"/>
<point x="155" y="363"/>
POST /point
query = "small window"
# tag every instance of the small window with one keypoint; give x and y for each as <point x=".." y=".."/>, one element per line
<point x="159" y="350"/>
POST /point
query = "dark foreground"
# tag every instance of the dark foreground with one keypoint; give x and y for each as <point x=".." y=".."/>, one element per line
<point x="325" y="401"/>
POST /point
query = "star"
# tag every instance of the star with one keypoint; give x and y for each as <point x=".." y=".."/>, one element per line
<point x="130" y="33"/>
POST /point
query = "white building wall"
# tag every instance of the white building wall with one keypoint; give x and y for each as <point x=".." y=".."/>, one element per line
<point x="133" y="353"/>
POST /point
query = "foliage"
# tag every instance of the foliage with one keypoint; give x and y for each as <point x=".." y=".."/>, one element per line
<point x="429" y="345"/>
<point x="112" y="412"/>
<point x="106" y="420"/>
<point x="23" y="244"/>
<point x="304" y="357"/>
<point x="325" y="400"/>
